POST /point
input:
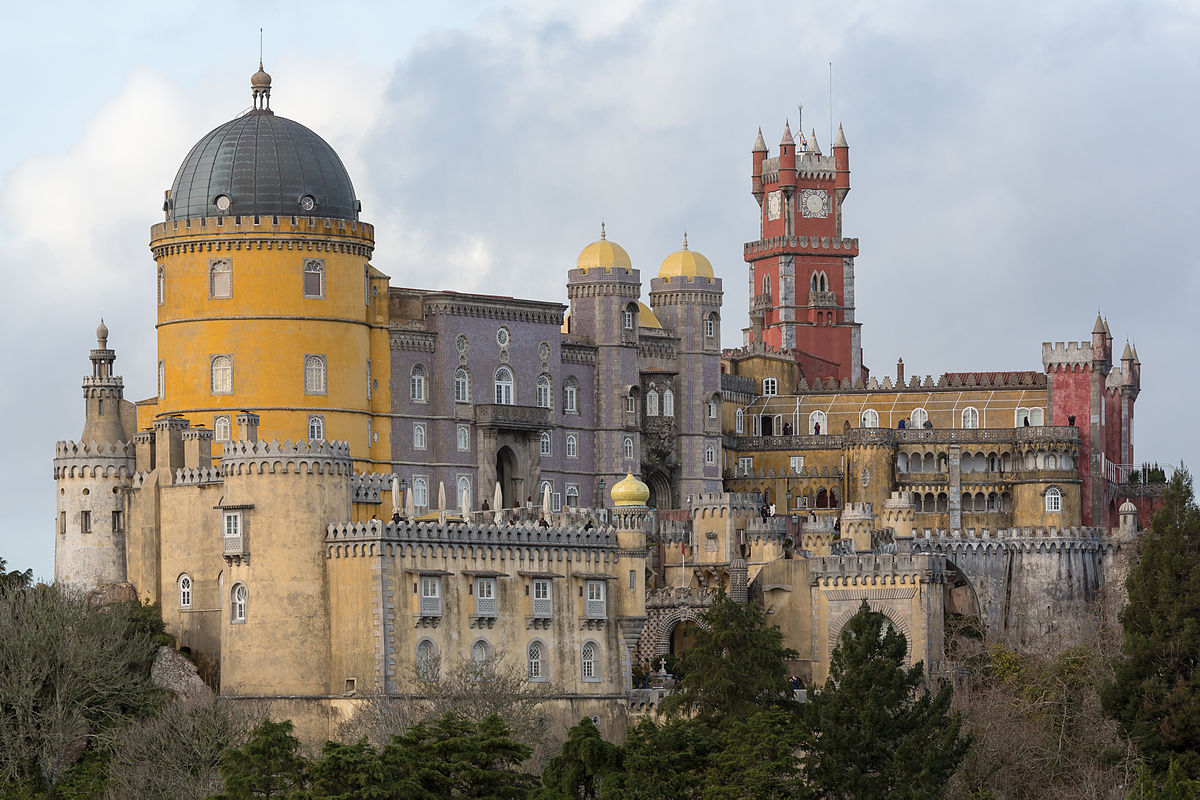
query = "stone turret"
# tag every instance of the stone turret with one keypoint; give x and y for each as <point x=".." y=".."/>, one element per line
<point x="103" y="393"/>
<point x="630" y="516"/>
<point x="858" y="520"/>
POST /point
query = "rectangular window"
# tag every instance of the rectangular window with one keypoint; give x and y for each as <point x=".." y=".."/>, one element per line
<point x="745" y="465"/>
<point x="571" y="399"/>
<point x="555" y="501"/>
<point x="594" y="608"/>
<point x="770" y="387"/>
<point x="233" y="523"/>
<point x="368" y="379"/>
<point x="572" y="495"/>
<point x="220" y="278"/>
<point x="85" y="522"/>
<point x="118" y="521"/>
<point x="62" y="522"/>
<point x="631" y="404"/>
<point x="485" y="597"/>
<point x="543" y="605"/>
<point x="314" y="277"/>
<point x="796" y="463"/>
<point x="431" y="596"/>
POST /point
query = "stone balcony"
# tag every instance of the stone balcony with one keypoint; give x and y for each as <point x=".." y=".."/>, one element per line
<point x="822" y="299"/>
<point x="505" y="417"/>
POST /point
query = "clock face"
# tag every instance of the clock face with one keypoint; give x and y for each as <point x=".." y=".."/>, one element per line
<point x="814" y="203"/>
<point x="774" y="205"/>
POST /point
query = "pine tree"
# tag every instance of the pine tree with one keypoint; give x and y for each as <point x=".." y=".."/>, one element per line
<point x="1155" y="691"/>
<point x="578" y="771"/>
<point x="737" y="665"/>
<point x="268" y="765"/>
<point x="873" y="731"/>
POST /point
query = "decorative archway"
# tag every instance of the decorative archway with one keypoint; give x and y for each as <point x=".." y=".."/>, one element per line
<point x="661" y="495"/>
<point x="507" y="476"/>
<point x="899" y="622"/>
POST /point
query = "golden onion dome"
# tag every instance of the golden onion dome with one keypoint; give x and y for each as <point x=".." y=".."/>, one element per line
<point x="603" y="253"/>
<point x="630" y="492"/>
<point x="687" y="263"/>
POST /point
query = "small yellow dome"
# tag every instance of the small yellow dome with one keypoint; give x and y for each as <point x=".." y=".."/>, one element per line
<point x="687" y="263"/>
<point x="630" y="492"/>
<point x="647" y="318"/>
<point x="603" y="253"/>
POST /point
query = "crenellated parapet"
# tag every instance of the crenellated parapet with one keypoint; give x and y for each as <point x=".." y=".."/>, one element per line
<point x="198" y="476"/>
<point x="1066" y="356"/>
<point x="369" y="487"/>
<point x="93" y="459"/>
<point x="877" y="569"/>
<point x="518" y="542"/>
<point x="274" y="457"/>
<point x="1027" y="539"/>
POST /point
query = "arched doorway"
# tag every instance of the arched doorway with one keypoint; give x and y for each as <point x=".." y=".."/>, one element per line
<point x="683" y="636"/>
<point x="506" y="476"/>
<point x="660" y="491"/>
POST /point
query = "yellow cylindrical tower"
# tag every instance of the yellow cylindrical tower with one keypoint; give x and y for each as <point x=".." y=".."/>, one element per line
<point x="266" y="299"/>
<point x="629" y="515"/>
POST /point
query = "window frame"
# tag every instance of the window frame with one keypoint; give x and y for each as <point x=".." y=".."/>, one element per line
<point x="239" y="601"/>
<point x="668" y="402"/>
<point x="589" y="662"/>
<point x="572" y="492"/>
<point x="545" y="444"/>
<point x="420" y="439"/>
<point x="185" y="591"/>
<point x="572" y="446"/>
<point x="214" y="269"/>
<point x="1053" y="500"/>
<point x="420" y="490"/>
<point x="571" y="396"/>
<point x="459" y="488"/>
<point x="710" y="455"/>
<point x="818" y="417"/>
<point x="316" y="374"/>
<point x="428" y="663"/>
<point x="219" y="422"/>
<point x="418" y="384"/>
<point x="544" y="390"/>
<point x="627" y="449"/>
<point x="536" y="666"/>
<point x="317" y="266"/>
<point x="319" y="421"/>
<point x="970" y="413"/>
<point x="869" y="418"/>
<point x="212" y="374"/>
<point x="463" y="439"/>
<point x="462" y="385"/>
<point x="505" y="389"/>
<point x="924" y="415"/>
<point x="770" y="387"/>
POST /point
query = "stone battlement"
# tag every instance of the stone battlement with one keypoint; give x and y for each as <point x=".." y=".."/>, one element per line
<point x="293" y="225"/>
<point x="245" y="457"/>
<point x="198" y="476"/>
<point x="873" y="569"/>
<point x="92" y="459"/>
<point x="1066" y="354"/>
<point x="341" y="538"/>
<point x="369" y="487"/>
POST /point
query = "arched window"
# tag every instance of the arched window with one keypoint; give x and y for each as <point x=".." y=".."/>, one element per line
<point x="504" y="387"/>
<point x="766" y="285"/>
<point x="222" y="374"/>
<point x="630" y="317"/>
<point x="870" y="418"/>
<point x="572" y="446"/>
<point x="314" y="277"/>
<point x="220" y="278"/>
<point x="668" y="405"/>
<point x="1037" y="417"/>
<point x="464" y="492"/>
<point x="162" y="285"/>
<point x="770" y="387"/>
<point x="652" y="403"/>
<point x="970" y="417"/>
<point x="1021" y="417"/>
<point x="417" y="383"/>
<point x="824" y="286"/>
<point x="816" y="424"/>
<point x="428" y="664"/>
<point x="815" y="285"/>
<point x="418" y="435"/>
<point x="541" y="495"/>
<point x="710" y="326"/>
<point x="316" y="427"/>
<point x="314" y="374"/>
<point x="919" y="418"/>
<point x="543" y="391"/>
<point x="464" y="438"/>
<point x="571" y="396"/>
<point x="545" y="443"/>
<point x="589" y="662"/>
<point x="222" y="429"/>
<point x="739" y="421"/>
<point x="367" y="285"/>
<point x="902" y="462"/>
<point x="420" y="490"/>
<point x="481" y="654"/>
<point x="710" y="455"/>
<point x="572" y="496"/>
<point x="627" y="449"/>
<point x="462" y="386"/>
<point x="185" y="591"/>
<point x="537" y="661"/>
<point x="162" y="379"/>
<point x="237" y="606"/>
<point x="713" y="407"/>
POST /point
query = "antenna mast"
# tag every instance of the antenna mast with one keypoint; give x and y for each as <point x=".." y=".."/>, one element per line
<point x="831" y="101"/>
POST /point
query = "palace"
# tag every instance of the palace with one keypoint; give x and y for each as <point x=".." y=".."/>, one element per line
<point x="342" y="486"/>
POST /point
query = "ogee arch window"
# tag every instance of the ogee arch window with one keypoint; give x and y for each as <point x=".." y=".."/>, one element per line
<point x="221" y="368"/>
<point x="314" y="374"/>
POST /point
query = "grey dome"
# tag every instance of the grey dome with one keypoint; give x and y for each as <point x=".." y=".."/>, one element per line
<point x="265" y="165"/>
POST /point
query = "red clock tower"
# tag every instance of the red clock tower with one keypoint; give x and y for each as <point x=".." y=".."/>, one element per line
<point x="801" y="269"/>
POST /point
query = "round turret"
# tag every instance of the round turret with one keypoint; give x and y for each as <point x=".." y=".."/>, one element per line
<point x="630" y="492"/>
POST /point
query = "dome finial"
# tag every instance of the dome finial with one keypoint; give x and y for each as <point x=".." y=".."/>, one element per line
<point x="602" y="236"/>
<point x="102" y="334"/>
<point x="260" y="84"/>
<point x="685" y="240"/>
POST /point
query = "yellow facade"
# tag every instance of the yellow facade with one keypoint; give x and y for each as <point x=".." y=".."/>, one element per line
<point x="260" y="316"/>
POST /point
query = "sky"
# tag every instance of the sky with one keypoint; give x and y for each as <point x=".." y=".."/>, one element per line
<point x="1016" y="168"/>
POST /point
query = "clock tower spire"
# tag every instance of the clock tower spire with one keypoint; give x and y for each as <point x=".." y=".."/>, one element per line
<point x="801" y="268"/>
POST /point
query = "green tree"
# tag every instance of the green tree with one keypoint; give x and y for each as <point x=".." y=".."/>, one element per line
<point x="268" y="765"/>
<point x="349" y="772"/>
<point x="737" y="665"/>
<point x="758" y="758"/>
<point x="873" y="731"/>
<point x="69" y="675"/>
<point x="15" y="580"/>
<point x="663" y="762"/>
<point x="1174" y="786"/>
<point x="1155" y="690"/>
<point x="453" y="757"/>
<point x="579" y="770"/>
